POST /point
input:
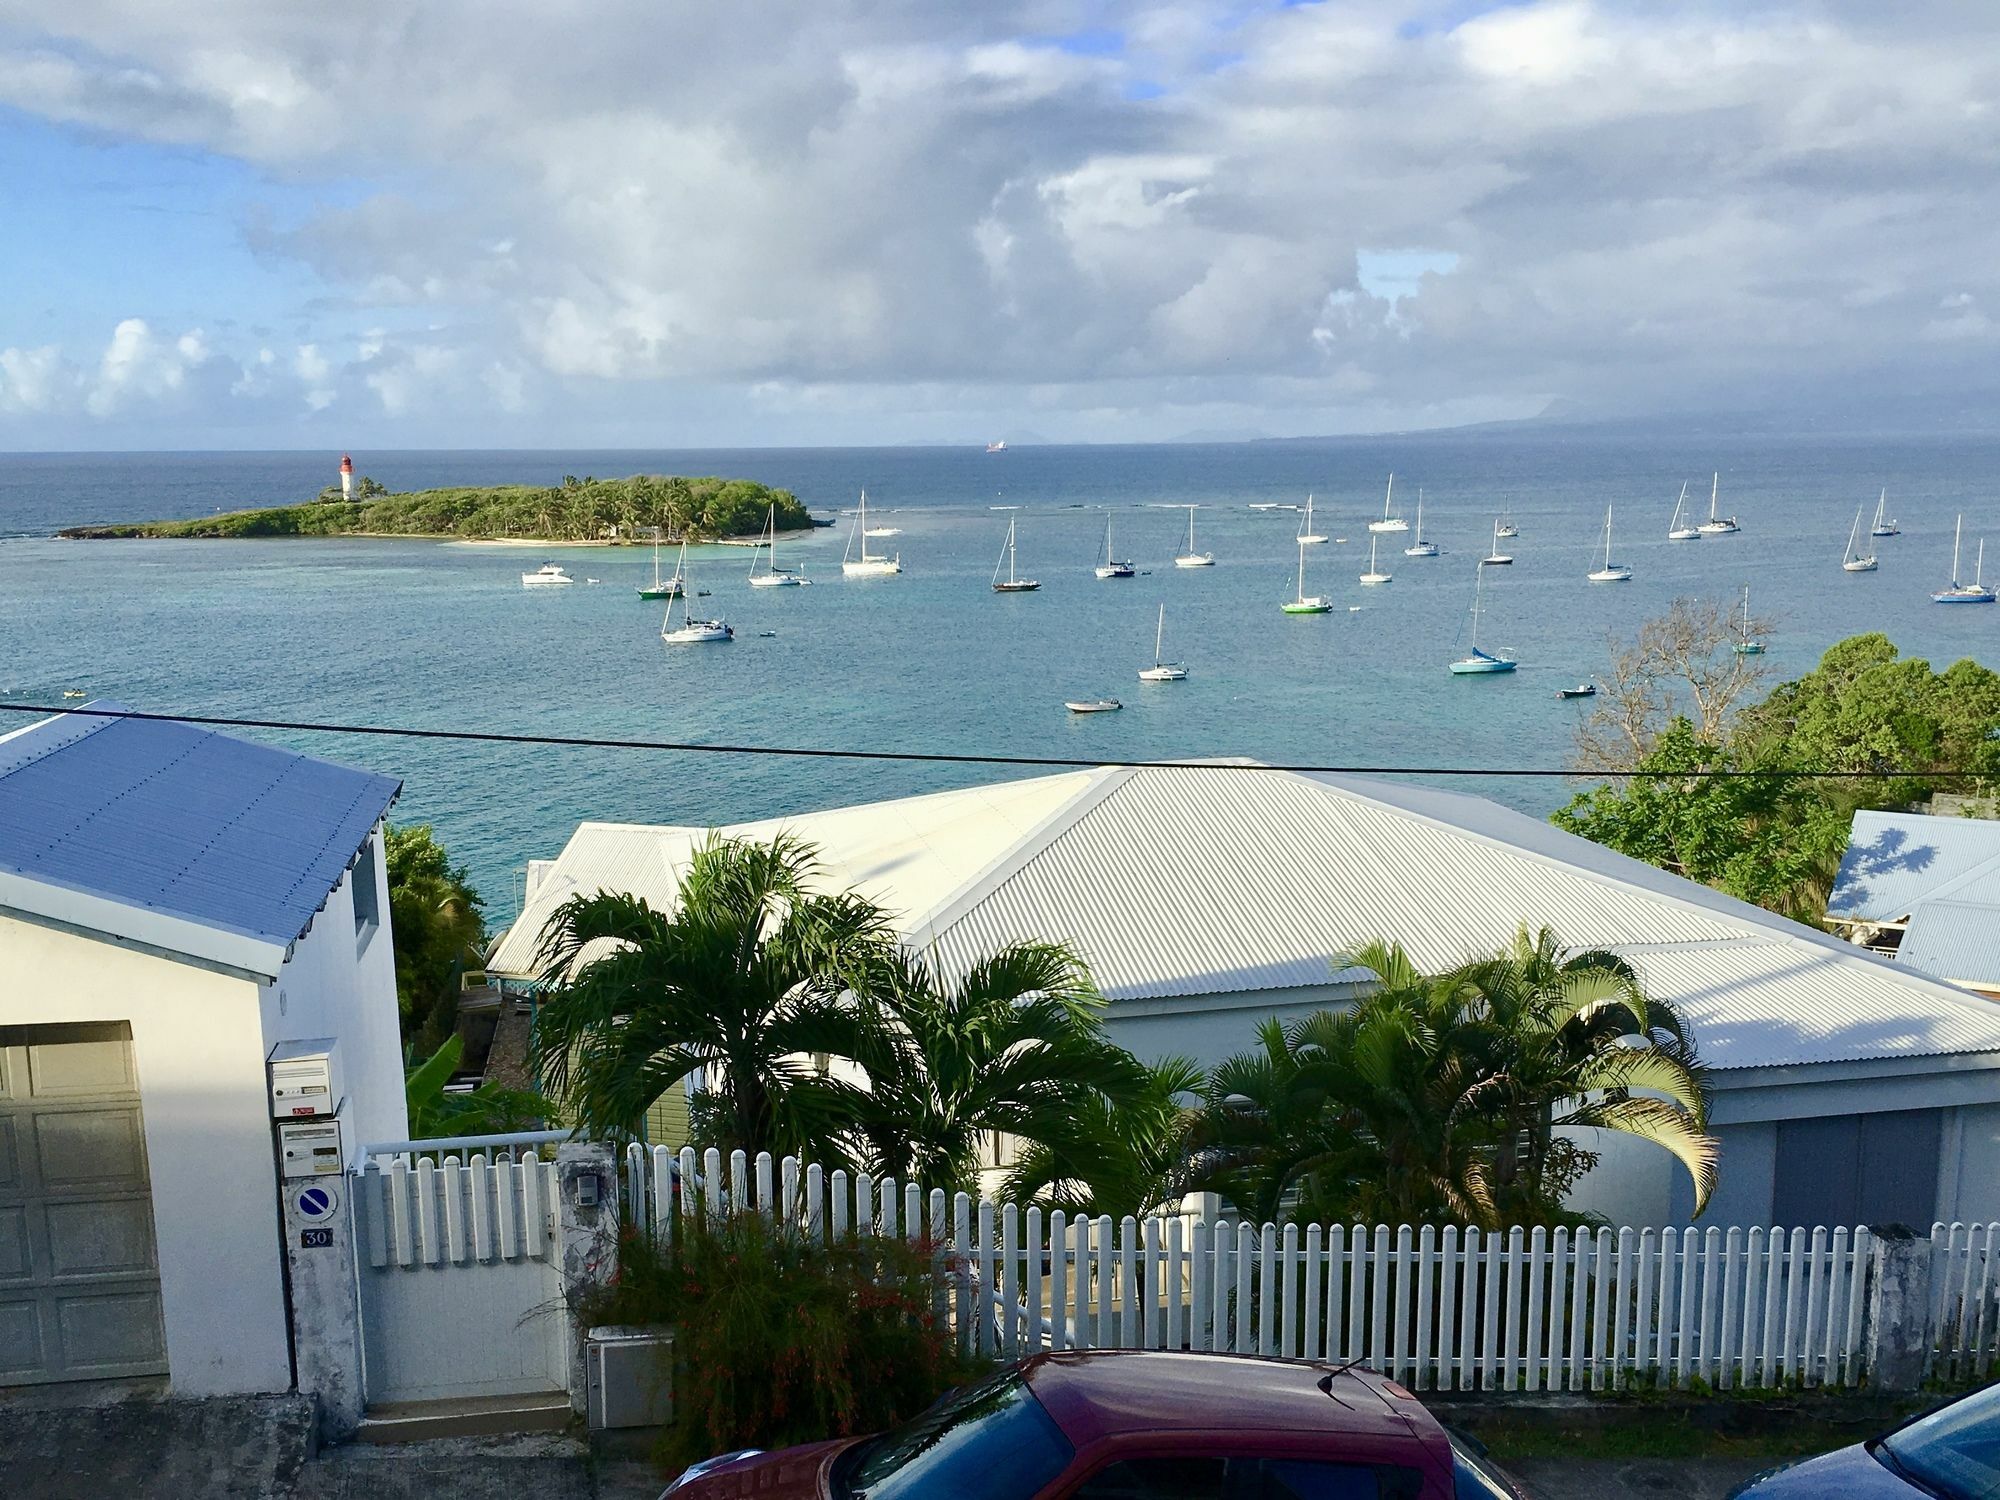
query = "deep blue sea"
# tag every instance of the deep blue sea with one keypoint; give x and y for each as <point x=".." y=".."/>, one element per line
<point x="439" y="635"/>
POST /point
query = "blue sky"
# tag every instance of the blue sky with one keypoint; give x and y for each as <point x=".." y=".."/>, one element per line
<point x="838" y="222"/>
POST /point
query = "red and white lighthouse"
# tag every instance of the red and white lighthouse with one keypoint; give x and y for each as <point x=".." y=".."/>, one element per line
<point x="346" y="477"/>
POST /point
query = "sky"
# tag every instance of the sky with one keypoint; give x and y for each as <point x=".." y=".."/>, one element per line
<point x="636" y="223"/>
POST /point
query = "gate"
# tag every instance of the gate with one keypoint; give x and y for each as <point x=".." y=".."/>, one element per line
<point x="460" y="1265"/>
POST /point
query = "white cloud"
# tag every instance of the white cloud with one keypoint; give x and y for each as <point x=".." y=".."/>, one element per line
<point x="34" y="381"/>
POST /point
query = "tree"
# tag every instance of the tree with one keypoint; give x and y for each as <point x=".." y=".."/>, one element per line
<point x="1015" y="1047"/>
<point x="1139" y="1157"/>
<point x="1679" y="666"/>
<point x="489" y="1109"/>
<point x="438" y="929"/>
<point x="741" y="983"/>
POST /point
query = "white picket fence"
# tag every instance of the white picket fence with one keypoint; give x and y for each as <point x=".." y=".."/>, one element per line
<point x="1438" y="1309"/>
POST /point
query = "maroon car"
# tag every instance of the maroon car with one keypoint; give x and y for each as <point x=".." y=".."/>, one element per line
<point x="1134" y="1425"/>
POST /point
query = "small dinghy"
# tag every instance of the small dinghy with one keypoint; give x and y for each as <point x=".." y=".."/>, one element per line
<point x="1093" y="705"/>
<point x="1581" y="690"/>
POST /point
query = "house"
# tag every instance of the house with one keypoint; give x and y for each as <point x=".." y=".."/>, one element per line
<point x="1207" y="898"/>
<point x="175" y="904"/>
<point x="1924" y="890"/>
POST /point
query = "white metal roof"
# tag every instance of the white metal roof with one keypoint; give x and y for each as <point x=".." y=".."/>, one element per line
<point x="1895" y="859"/>
<point x="1197" y="881"/>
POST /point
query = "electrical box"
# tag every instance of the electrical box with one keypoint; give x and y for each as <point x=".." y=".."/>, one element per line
<point x="305" y="1079"/>
<point x="310" y="1148"/>
<point x="628" y="1377"/>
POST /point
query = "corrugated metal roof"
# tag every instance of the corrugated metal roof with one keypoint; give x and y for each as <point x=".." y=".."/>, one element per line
<point x="1956" y="940"/>
<point x="198" y="830"/>
<point x="1189" y="882"/>
<point x="1895" y="859"/>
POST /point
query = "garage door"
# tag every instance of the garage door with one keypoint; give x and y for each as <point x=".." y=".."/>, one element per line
<point x="79" y="1278"/>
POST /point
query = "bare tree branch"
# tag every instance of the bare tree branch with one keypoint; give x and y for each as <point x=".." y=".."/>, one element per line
<point x="1681" y="665"/>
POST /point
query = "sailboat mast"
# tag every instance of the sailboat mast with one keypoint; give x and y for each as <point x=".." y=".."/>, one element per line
<point x="1302" y="571"/>
<point x="1714" y="487"/>
<point x="1387" y="495"/>
<point x="1159" y="634"/>
<point x="1478" y="587"/>
<point x="1955" y="533"/>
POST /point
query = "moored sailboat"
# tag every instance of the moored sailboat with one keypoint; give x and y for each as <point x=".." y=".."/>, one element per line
<point x="1112" y="567"/>
<point x="1161" y="670"/>
<point x="1884" y="525"/>
<point x="1192" y="558"/>
<point x="690" y="632"/>
<point x="1304" y="604"/>
<point x="1496" y="558"/>
<point x="1716" y="525"/>
<point x="1479" y="663"/>
<point x="1746" y="643"/>
<point x="1013" y="583"/>
<point x="1374" y="574"/>
<point x="1389" y="522"/>
<point x="1611" y="572"/>
<point x="1974" y="592"/>
<point x="866" y="565"/>
<point x="1420" y="547"/>
<point x="1308" y="536"/>
<point x="663" y="588"/>
<point x="1855" y="561"/>
<point x="773" y="577"/>
<point x="1678" y="529"/>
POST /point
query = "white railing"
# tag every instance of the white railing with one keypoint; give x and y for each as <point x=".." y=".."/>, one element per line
<point x="1439" y="1309"/>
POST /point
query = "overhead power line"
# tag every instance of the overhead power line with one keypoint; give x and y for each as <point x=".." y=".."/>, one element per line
<point x="942" y="757"/>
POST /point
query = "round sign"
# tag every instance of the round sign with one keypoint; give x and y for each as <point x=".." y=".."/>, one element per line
<point x="315" y="1201"/>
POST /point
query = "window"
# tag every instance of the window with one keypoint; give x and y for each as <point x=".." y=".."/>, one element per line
<point x="1202" y="1478"/>
<point x="361" y="877"/>
<point x="1858" y="1169"/>
<point x="991" y="1441"/>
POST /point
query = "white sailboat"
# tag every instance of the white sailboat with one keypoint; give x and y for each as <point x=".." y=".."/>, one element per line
<point x="1611" y="572"/>
<point x="1678" y="529"/>
<point x="1496" y="558"/>
<point x="1374" y="573"/>
<point x="1506" y="527"/>
<point x="1303" y="603"/>
<point x="1855" y="562"/>
<point x="1192" y="558"/>
<point x="1013" y="583"/>
<point x="1112" y="567"/>
<point x="866" y="565"/>
<point x="690" y="632"/>
<point x="773" y="577"/>
<point x="1884" y="525"/>
<point x="1389" y="522"/>
<point x="1716" y="525"/>
<point x="1479" y="663"/>
<point x="1308" y="536"/>
<point x="1974" y="592"/>
<point x="662" y="588"/>
<point x="1161" y="670"/>
<point x="1420" y="547"/>
<point x="1746" y="643"/>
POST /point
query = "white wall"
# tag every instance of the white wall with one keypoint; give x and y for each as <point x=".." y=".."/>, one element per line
<point x="199" y="1051"/>
<point x="334" y="986"/>
<point x="1969" y="1177"/>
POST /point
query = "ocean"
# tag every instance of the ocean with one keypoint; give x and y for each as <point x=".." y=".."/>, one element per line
<point x="437" y="635"/>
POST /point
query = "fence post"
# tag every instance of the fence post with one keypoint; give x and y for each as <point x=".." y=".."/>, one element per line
<point x="1897" y="1334"/>
<point x="323" y="1271"/>
<point x="587" y="1219"/>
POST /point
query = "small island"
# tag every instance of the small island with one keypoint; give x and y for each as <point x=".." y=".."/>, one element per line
<point x="576" y="511"/>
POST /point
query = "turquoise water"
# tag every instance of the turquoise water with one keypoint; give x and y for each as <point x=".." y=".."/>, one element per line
<point x="436" y="635"/>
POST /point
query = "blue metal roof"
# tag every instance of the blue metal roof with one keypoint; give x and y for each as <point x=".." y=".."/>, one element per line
<point x="1894" y="860"/>
<point x="1957" y="940"/>
<point x="181" y="821"/>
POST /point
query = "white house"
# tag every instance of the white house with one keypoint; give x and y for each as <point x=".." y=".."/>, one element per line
<point x="174" y="905"/>
<point x="1925" y="891"/>
<point x="1208" y="898"/>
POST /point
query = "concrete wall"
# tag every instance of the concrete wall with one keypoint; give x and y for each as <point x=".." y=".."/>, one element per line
<point x="341" y="984"/>
<point x="1969" y="1165"/>
<point x="1210" y="1028"/>
<point x="199" y="1049"/>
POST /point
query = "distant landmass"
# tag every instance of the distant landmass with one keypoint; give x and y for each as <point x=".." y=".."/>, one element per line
<point x="578" y="510"/>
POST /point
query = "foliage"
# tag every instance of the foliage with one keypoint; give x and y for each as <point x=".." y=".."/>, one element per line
<point x="578" y="510"/>
<point x="781" y="1339"/>
<point x="1678" y="666"/>
<point x="490" y="1109"/>
<point x="438" y="930"/>
<point x="1138" y="1157"/>
<point x="1438" y="1098"/>
<point x="1892" y="727"/>
<point x="364" y="489"/>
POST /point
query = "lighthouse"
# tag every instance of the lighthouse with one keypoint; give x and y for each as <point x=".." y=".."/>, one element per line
<point x="346" y="477"/>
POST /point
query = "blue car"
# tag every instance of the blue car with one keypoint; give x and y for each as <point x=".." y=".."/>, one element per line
<point x="1952" y="1453"/>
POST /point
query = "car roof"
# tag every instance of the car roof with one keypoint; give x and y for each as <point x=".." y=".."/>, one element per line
<point x="1095" y="1394"/>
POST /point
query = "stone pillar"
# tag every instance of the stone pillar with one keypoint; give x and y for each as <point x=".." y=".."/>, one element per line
<point x="326" y="1311"/>
<point x="1896" y="1332"/>
<point x="587" y="1216"/>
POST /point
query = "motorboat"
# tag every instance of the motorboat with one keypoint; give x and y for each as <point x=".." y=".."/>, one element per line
<point x="1093" y="705"/>
<point x="1581" y="690"/>
<point x="544" y="576"/>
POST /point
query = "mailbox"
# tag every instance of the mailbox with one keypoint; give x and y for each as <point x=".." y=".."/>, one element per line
<point x="310" y="1148"/>
<point x="305" y="1079"/>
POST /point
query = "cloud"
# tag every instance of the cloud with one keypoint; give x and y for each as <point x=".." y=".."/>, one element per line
<point x="1313" y="213"/>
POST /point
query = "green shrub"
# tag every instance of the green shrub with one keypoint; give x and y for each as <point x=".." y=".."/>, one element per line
<point x="780" y="1339"/>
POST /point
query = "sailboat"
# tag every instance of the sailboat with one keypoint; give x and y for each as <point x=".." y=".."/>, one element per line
<point x="1611" y="572"/>
<point x="1747" y="644"/>
<point x="692" y="632"/>
<point x="1480" y="662"/>
<point x="1505" y="527"/>
<point x="1161" y="670"/>
<point x="866" y="566"/>
<point x="1854" y="561"/>
<point x="1714" y="525"/>
<point x="1389" y="522"/>
<point x="1496" y="558"/>
<point x="663" y="588"/>
<point x="1420" y="547"/>
<point x="1013" y="583"/>
<point x="1192" y="558"/>
<point x="1305" y="604"/>
<point x="1112" y="567"/>
<point x="773" y="577"/>
<point x="1374" y="573"/>
<point x="1883" y="526"/>
<point x="1679" y="530"/>
<point x="1307" y="535"/>
<point x="1974" y="592"/>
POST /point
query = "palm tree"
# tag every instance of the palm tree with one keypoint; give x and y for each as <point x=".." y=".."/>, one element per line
<point x="1138" y="1154"/>
<point x="742" y="982"/>
<point x="1013" y="1047"/>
